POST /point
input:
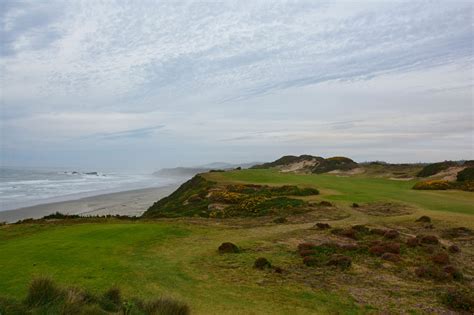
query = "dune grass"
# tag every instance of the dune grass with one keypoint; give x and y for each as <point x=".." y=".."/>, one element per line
<point x="358" y="189"/>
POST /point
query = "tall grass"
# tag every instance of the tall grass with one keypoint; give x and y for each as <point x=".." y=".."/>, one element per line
<point x="44" y="296"/>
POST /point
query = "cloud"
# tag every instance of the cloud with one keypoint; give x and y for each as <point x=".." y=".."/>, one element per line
<point x="131" y="133"/>
<point x="319" y="74"/>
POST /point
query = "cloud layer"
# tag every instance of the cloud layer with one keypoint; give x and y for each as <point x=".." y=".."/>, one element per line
<point x="373" y="80"/>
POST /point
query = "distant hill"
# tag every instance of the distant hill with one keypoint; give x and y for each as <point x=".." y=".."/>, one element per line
<point x="444" y="167"/>
<point x="191" y="171"/>
<point x="310" y="164"/>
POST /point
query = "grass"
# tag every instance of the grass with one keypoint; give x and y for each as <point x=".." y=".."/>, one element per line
<point x="358" y="189"/>
<point x="148" y="259"/>
<point x="178" y="257"/>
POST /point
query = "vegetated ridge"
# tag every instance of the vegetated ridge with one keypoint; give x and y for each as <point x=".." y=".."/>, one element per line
<point x="310" y="164"/>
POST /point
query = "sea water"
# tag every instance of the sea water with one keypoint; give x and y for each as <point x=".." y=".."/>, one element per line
<point x="28" y="187"/>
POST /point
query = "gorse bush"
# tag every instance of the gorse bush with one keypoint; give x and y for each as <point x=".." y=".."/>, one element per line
<point x="433" y="185"/>
<point x="467" y="185"/>
<point x="200" y="197"/>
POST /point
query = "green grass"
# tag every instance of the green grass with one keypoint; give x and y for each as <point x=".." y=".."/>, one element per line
<point x="358" y="189"/>
<point x="178" y="257"/>
<point x="148" y="259"/>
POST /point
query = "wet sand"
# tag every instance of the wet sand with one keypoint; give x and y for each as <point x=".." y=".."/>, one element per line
<point x="132" y="202"/>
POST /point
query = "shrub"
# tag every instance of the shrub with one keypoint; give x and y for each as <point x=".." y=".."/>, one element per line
<point x="322" y="226"/>
<point x="325" y="204"/>
<point x="391" y="234"/>
<point x="228" y="247"/>
<point x="42" y="291"/>
<point x="391" y="257"/>
<point x="433" y="185"/>
<point x="111" y="300"/>
<point x="454" y="249"/>
<point x="424" y="218"/>
<point x="413" y="242"/>
<point x="59" y="215"/>
<point x="380" y="249"/>
<point x="465" y="174"/>
<point x="454" y="272"/>
<point x="440" y="258"/>
<point x="459" y="300"/>
<point x="361" y="228"/>
<point x="376" y="231"/>
<point x="350" y="233"/>
<point x="226" y="197"/>
<point x="262" y="263"/>
<point x="428" y="239"/>
<point x="340" y="261"/>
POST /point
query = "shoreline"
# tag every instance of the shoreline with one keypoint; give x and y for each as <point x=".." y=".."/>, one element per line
<point x="129" y="202"/>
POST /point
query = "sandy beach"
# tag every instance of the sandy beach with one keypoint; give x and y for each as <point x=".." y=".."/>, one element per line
<point x="132" y="202"/>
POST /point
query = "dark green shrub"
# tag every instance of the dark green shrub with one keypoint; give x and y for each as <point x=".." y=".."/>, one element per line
<point x="334" y="163"/>
<point x="459" y="300"/>
<point x="42" y="291"/>
<point x="262" y="263"/>
<point x="466" y="174"/>
<point x="111" y="300"/>
<point x="59" y="215"/>
<point x="228" y="247"/>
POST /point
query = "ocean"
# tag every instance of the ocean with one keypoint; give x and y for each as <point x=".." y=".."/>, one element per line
<point x="28" y="187"/>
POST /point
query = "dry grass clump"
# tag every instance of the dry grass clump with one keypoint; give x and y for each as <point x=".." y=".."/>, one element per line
<point x="46" y="297"/>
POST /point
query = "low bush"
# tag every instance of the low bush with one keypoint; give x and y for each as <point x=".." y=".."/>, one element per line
<point x="459" y="300"/>
<point x="262" y="263"/>
<point x="465" y="174"/>
<point x="433" y="185"/>
<point x="228" y="247"/>
<point x="424" y="219"/>
<point x="59" y="215"/>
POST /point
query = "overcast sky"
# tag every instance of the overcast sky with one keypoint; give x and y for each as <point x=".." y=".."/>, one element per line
<point x="150" y="84"/>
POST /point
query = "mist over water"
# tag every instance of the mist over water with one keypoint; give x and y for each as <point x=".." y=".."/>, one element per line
<point x="27" y="187"/>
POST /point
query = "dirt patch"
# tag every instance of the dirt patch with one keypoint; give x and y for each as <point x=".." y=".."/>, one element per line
<point x="385" y="209"/>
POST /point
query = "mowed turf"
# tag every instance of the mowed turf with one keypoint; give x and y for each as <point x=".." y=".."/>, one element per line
<point x="150" y="259"/>
<point x="358" y="189"/>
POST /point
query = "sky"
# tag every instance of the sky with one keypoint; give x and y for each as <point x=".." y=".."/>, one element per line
<point x="149" y="84"/>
